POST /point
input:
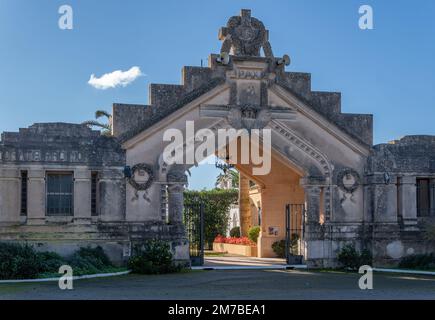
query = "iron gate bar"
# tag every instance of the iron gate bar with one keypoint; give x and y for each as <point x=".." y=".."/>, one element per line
<point x="201" y="238"/>
<point x="193" y="219"/>
<point x="294" y="217"/>
<point x="287" y="233"/>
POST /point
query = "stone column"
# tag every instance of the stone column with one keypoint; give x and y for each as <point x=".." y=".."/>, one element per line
<point x="408" y="202"/>
<point x="244" y="205"/>
<point x="175" y="203"/>
<point x="36" y="197"/>
<point x="82" y="196"/>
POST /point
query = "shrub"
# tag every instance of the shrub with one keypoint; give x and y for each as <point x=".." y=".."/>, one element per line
<point x="89" y="260"/>
<point x="294" y="243"/>
<point x="429" y="231"/>
<point x="279" y="248"/>
<point x="351" y="259"/>
<point x="366" y="258"/>
<point x="95" y="256"/>
<point x="418" y="261"/>
<point x="253" y="233"/>
<point x="18" y="261"/>
<point x="50" y="262"/>
<point x="153" y="257"/>
<point x="235" y="232"/>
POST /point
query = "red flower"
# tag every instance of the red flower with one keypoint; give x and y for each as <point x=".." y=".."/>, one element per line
<point x="219" y="239"/>
<point x="233" y="240"/>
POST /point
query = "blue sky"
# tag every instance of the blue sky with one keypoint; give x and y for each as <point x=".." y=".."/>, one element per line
<point x="388" y="71"/>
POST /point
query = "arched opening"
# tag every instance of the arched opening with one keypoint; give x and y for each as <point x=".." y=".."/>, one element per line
<point x="262" y="202"/>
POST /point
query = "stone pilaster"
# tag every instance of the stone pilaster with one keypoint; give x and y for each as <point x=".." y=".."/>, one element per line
<point x="313" y="241"/>
<point x="175" y="203"/>
<point x="408" y="202"/>
<point x="111" y="195"/>
<point x="36" y="201"/>
<point x="9" y="196"/>
<point x="312" y="204"/>
<point x="176" y="182"/>
<point x="432" y="197"/>
<point x="384" y="199"/>
<point x="82" y="196"/>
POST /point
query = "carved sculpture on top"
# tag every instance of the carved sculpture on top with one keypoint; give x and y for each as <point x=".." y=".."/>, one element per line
<point x="245" y="36"/>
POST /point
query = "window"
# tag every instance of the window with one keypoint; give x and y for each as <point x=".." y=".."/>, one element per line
<point x="23" y="209"/>
<point x="60" y="194"/>
<point x="424" y="206"/>
<point x="94" y="192"/>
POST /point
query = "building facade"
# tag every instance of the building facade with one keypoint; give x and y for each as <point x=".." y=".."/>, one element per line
<point x="63" y="185"/>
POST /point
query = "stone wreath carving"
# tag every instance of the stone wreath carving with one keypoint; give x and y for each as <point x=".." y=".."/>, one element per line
<point x="349" y="174"/>
<point x="141" y="186"/>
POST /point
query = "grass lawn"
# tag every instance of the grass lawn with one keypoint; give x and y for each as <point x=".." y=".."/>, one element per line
<point x="214" y="254"/>
<point x="81" y="273"/>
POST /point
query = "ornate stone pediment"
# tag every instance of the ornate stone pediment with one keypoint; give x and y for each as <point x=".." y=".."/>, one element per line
<point x="247" y="116"/>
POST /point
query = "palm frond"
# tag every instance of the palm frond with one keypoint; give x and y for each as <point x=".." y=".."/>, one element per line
<point x="93" y="123"/>
<point x="102" y="113"/>
<point x="107" y="133"/>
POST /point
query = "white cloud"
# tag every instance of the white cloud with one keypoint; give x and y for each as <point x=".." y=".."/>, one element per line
<point x="115" y="79"/>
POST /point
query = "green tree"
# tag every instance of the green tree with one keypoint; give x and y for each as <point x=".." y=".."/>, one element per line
<point x="228" y="175"/>
<point x="217" y="203"/>
<point x="106" y="127"/>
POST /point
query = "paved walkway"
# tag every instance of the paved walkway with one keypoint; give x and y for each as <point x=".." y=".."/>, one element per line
<point x="232" y="284"/>
<point x="228" y="261"/>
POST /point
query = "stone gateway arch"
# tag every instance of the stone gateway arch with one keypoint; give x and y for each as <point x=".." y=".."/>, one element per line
<point x="120" y="190"/>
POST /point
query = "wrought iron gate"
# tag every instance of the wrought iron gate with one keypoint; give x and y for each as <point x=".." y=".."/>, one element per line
<point x="294" y="232"/>
<point x="193" y="219"/>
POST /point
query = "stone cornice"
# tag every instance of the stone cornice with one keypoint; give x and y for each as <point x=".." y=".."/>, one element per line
<point x="164" y="122"/>
<point x="325" y="124"/>
<point x="204" y="92"/>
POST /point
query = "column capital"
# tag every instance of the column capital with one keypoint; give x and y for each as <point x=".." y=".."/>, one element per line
<point x="36" y="174"/>
<point x="312" y="190"/>
<point x="176" y="187"/>
<point x="176" y="177"/>
<point x="315" y="181"/>
<point x="408" y="180"/>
